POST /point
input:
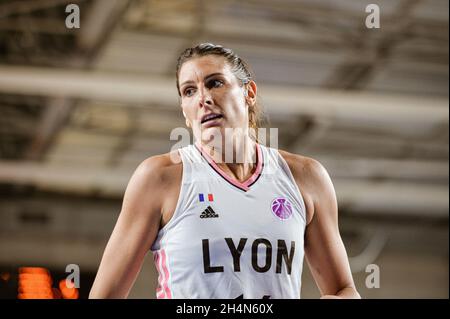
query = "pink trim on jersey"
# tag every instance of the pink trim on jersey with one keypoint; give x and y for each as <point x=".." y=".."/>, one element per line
<point x="159" y="290"/>
<point x="163" y="290"/>
<point x="166" y="274"/>
<point x="258" y="169"/>
<point x="244" y="185"/>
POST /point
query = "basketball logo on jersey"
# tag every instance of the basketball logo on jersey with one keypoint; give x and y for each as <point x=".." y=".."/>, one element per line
<point x="281" y="208"/>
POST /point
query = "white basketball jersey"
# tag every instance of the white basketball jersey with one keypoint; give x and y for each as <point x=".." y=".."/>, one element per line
<point x="229" y="239"/>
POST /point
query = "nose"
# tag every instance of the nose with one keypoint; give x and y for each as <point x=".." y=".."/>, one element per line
<point x="205" y="98"/>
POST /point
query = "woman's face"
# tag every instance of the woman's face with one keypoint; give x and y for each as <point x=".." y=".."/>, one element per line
<point x="212" y="98"/>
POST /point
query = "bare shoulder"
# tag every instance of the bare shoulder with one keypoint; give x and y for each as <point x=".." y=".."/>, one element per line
<point x="154" y="180"/>
<point x="156" y="185"/>
<point x="303" y="168"/>
<point x="312" y="179"/>
<point x="160" y="168"/>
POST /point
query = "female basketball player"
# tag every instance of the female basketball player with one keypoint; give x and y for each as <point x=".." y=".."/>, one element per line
<point x="221" y="228"/>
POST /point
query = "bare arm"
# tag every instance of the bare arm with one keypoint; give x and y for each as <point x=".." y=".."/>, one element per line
<point x="324" y="249"/>
<point x="133" y="234"/>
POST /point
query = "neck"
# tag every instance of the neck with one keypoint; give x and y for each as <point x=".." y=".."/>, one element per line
<point x="238" y="158"/>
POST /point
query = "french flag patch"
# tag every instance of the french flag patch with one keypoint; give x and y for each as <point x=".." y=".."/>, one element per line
<point x="201" y="197"/>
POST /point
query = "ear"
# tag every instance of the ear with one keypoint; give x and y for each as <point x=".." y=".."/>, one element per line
<point x="251" y="90"/>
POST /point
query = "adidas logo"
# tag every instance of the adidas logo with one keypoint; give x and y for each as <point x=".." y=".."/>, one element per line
<point x="208" y="213"/>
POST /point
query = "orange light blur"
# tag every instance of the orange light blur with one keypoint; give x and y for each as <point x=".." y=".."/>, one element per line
<point x="5" y="276"/>
<point x="68" y="291"/>
<point x="33" y="270"/>
<point x="36" y="283"/>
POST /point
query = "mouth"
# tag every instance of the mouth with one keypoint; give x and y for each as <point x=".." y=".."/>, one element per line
<point x="210" y="117"/>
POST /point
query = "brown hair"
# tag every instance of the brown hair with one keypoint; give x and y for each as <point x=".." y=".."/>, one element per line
<point x="238" y="66"/>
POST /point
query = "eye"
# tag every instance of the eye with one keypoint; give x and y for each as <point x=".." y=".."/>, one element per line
<point x="214" y="83"/>
<point x="188" y="91"/>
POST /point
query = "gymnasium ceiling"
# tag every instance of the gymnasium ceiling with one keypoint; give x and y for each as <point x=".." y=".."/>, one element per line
<point x="80" y="108"/>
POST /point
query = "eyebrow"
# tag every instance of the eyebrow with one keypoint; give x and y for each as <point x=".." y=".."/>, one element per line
<point x="206" y="78"/>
